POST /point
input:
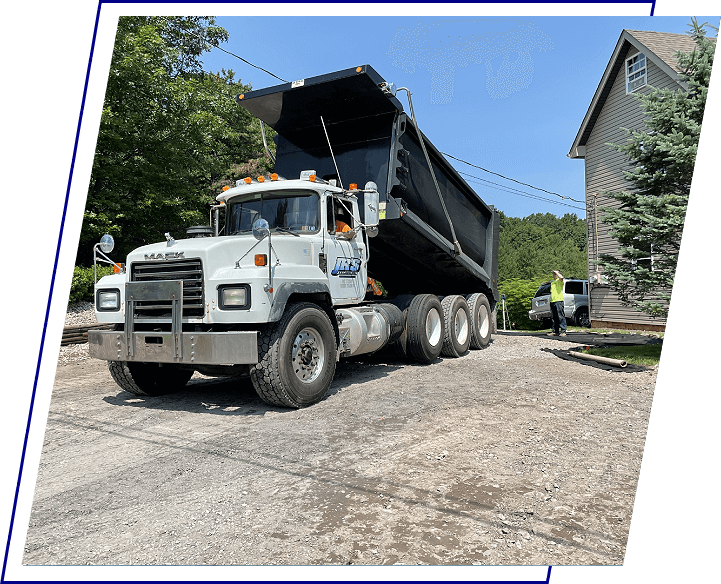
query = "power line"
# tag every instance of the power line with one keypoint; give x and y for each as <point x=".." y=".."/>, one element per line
<point x="513" y="191"/>
<point x="563" y="197"/>
<point x="205" y="40"/>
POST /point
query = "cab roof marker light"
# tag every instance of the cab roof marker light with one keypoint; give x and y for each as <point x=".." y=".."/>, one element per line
<point x="274" y="176"/>
<point x="247" y="180"/>
<point x="261" y="179"/>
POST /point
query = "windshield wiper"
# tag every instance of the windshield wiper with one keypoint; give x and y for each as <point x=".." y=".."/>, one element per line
<point x="286" y="230"/>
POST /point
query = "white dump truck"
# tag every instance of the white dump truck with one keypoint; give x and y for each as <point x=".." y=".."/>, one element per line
<point x="298" y="269"/>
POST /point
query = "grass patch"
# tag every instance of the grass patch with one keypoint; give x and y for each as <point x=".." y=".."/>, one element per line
<point x="648" y="355"/>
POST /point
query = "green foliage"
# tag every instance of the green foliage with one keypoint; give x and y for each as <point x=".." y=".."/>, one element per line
<point x="82" y="287"/>
<point x="519" y="293"/>
<point x="170" y="135"/>
<point x="649" y="222"/>
<point x="648" y="355"/>
<point x="530" y="248"/>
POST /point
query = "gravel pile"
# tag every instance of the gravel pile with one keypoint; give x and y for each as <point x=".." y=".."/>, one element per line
<point x="78" y="314"/>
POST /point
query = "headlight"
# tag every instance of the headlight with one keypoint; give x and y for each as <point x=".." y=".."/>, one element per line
<point x="108" y="300"/>
<point x="234" y="296"/>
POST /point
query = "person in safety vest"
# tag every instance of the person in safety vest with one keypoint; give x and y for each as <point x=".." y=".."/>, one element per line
<point x="341" y="226"/>
<point x="558" y="315"/>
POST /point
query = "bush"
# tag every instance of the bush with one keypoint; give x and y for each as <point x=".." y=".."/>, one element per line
<point x="82" y="286"/>
<point x="519" y="294"/>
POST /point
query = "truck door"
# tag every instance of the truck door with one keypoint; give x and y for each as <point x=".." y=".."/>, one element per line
<point x="346" y="256"/>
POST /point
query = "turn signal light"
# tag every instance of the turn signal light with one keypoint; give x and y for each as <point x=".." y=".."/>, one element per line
<point x="117" y="268"/>
<point x="261" y="259"/>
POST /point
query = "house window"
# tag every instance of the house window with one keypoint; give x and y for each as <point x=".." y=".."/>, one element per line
<point x="635" y="72"/>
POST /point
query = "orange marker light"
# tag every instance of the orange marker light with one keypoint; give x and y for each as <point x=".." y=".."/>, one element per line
<point x="261" y="259"/>
<point x="116" y="268"/>
<point x="358" y="69"/>
<point x="247" y="180"/>
<point x="312" y="178"/>
<point x="241" y="96"/>
<point x="273" y="176"/>
<point x="353" y="187"/>
<point x="261" y="179"/>
<point x="225" y="188"/>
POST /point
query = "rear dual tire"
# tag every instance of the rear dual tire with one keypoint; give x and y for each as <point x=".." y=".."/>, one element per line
<point x="482" y="319"/>
<point x="422" y="338"/>
<point x="457" y="318"/>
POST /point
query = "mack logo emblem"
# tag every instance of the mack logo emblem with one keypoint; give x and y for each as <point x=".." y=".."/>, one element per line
<point x="171" y="255"/>
<point x="346" y="267"/>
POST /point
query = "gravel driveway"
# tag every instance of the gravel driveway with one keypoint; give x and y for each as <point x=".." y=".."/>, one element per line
<point x="509" y="455"/>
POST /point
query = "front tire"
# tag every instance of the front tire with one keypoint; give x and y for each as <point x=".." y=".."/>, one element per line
<point x="297" y="358"/>
<point x="582" y="318"/>
<point x="149" y="379"/>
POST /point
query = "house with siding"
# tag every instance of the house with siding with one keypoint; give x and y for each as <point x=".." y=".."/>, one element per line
<point x="641" y="61"/>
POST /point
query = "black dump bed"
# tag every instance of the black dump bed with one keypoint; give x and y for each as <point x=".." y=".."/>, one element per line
<point x="374" y="140"/>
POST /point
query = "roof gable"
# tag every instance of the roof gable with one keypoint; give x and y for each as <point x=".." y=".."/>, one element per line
<point x="659" y="47"/>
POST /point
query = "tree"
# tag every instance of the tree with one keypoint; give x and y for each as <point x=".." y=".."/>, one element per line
<point x="533" y="246"/>
<point x="649" y="222"/>
<point x="170" y="134"/>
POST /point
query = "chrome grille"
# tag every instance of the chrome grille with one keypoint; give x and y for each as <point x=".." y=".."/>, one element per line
<point x="190" y="271"/>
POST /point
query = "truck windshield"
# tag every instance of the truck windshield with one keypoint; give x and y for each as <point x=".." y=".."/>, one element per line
<point x="293" y="209"/>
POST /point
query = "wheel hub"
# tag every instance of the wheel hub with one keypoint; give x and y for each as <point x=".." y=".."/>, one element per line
<point x="308" y="356"/>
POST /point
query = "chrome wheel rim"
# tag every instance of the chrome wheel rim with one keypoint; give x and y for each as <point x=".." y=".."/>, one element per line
<point x="308" y="356"/>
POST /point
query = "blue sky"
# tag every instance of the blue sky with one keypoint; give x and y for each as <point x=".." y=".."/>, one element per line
<point x="522" y="131"/>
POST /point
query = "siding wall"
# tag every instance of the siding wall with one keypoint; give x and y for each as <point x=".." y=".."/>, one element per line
<point x="604" y="172"/>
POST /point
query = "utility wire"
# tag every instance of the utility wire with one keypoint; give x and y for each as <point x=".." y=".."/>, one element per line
<point x="205" y="40"/>
<point x="563" y="197"/>
<point x="513" y="191"/>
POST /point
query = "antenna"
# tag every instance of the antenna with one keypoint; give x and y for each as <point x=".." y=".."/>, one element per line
<point x="331" y="153"/>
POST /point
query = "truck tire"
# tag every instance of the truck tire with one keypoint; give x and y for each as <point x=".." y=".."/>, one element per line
<point x="457" y="326"/>
<point x="424" y="328"/>
<point x="297" y="357"/>
<point x="149" y="379"/>
<point x="481" y="324"/>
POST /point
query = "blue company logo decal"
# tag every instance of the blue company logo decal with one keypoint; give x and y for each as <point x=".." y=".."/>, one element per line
<point x="346" y="267"/>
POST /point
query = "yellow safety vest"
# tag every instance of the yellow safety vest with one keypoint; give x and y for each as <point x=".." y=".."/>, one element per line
<point x="557" y="290"/>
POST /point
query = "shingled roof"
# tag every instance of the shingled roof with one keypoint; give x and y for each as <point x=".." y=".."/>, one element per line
<point x="659" y="47"/>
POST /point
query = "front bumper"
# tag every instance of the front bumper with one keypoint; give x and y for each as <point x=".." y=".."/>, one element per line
<point x="174" y="346"/>
<point x="539" y="315"/>
<point x="218" y="348"/>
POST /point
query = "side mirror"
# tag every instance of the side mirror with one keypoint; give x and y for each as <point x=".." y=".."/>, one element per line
<point x="107" y="243"/>
<point x="261" y="229"/>
<point x="371" y="206"/>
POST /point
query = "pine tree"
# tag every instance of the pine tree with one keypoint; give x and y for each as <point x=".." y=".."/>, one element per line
<point x="649" y="223"/>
